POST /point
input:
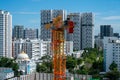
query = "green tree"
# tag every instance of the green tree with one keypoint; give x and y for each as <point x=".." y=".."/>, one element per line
<point x="46" y="65"/>
<point x="113" y="66"/>
<point x="113" y="75"/>
<point x="97" y="67"/>
<point x="7" y="62"/>
<point x="93" y="61"/>
<point x="79" y="61"/>
<point x="41" y="68"/>
<point x="46" y="58"/>
<point x="71" y="63"/>
<point x="82" y="70"/>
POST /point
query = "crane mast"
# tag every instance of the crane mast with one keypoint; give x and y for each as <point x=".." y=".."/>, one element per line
<point x="59" y="59"/>
<point x="58" y="27"/>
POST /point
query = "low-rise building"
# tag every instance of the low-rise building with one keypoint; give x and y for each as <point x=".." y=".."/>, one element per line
<point x="26" y="66"/>
<point x="29" y="46"/>
<point x="98" y="42"/>
<point x="6" y="73"/>
<point x="36" y="48"/>
<point x="78" y="54"/>
<point x="46" y="49"/>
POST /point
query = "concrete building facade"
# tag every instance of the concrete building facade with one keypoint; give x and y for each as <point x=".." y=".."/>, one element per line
<point x="76" y="36"/>
<point x="30" y="33"/>
<point x="111" y="52"/>
<point x="106" y="30"/>
<point x="18" y="32"/>
<point x="82" y="36"/>
<point x="30" y="47"/>
<point x="46" y="17"/>
<point x="6" y="73"/>
<point x="45" y="48"/>
<point x="5" y="34"/>
<point x="87" y="30"/>
<point x="22" y="45"/>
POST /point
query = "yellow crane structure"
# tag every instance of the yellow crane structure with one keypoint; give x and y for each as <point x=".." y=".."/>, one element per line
<point x="58" y="27"/>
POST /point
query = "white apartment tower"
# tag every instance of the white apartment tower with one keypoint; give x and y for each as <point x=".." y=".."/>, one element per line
<point x="5" y="34"/>
<point x="46" y="17"/>
<point x="82" y="36"/>
<point x="111" y="52"/>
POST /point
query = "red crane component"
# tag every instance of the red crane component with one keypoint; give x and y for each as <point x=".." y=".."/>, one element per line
<point x="71" y="26"/>
<point x="59" y="57"/>
<point x="70" y="30"/>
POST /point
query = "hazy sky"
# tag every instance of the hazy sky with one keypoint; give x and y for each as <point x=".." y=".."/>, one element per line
<point x="27" y="12"/>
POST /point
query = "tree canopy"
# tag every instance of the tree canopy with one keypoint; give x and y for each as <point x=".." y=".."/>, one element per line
<point x="113" y="66"/>
<point x="91" y="62"/>
<point x="10" y="63"/>
<point x="113" y="75"/>
<point x="46" y="65"/>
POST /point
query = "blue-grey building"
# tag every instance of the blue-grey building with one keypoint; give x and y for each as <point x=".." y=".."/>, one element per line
<point x="18" y="32"/>
<point x="106" y="30"/>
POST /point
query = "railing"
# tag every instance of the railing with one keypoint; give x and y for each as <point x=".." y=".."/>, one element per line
<point x="49" y="76"/>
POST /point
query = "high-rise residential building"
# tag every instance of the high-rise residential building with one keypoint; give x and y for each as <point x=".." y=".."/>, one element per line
<point x="5" y="34"/>
<point x="87" y="37"/>
<point x="30" y="33"/>
<point x="46" y="17"/>
<point x="106" y="30"/>
<point x="111" y="52"/>
<point x="18" y="32"/>
<point x="76" y="36"/>
<point x="82" y="36"/>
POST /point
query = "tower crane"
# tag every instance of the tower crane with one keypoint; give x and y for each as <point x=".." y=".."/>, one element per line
<point x="58" y="27"/>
